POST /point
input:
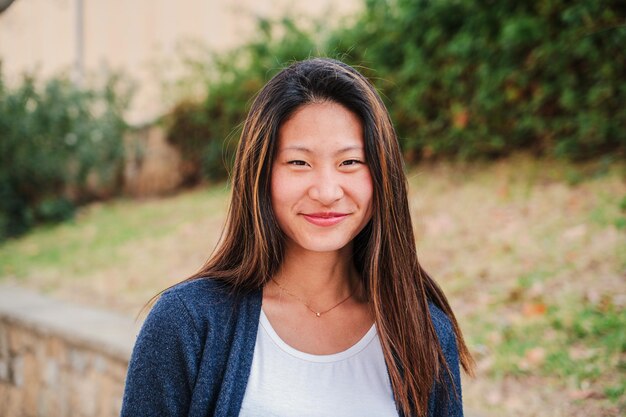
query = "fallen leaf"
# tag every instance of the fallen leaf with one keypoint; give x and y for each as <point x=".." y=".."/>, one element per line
<point x="533" y="358"/>
<point x="536" y="355"/>
<point x="534" y="309"/>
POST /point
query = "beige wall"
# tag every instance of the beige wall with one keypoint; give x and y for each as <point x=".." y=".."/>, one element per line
<point x="139" y="37"/>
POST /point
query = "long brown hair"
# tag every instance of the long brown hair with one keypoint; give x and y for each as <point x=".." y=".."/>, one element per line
<point x="251" y="249"/>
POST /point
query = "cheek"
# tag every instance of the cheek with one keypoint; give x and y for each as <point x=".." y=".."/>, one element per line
<point x="284" y="196"/>
<point x="275" y="196"/>
<point x="280" y="189"/>
<point x="366" y="191"/>
<point x="287" y="188"/>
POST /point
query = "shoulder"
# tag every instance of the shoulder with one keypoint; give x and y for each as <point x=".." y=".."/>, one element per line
<point x="199" y="292"/>
<point x="446" y="398"/>
<point x="167" y="358"/>
<point x="440" y="320"/>
<point x="445" y="330"/>
<point x="202" y="301"/>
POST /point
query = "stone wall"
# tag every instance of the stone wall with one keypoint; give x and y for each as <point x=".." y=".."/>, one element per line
<point x="60" y="360"/>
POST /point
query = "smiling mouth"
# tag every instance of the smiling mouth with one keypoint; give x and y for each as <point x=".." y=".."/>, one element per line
<point x="325" y="219"/>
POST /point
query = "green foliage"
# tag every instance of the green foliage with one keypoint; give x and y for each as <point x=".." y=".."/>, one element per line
<point x="471" y="79"/>
<point x="52" y="138"/>
<point x="462" y="78"/>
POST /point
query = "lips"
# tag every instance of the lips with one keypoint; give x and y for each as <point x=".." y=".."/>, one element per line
<point x="325" y="219"/>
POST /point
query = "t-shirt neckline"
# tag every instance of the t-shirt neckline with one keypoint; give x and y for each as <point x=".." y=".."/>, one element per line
<point x="310" y="357"/>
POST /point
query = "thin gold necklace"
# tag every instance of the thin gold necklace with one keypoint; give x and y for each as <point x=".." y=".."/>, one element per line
<point x="317" y="313"/>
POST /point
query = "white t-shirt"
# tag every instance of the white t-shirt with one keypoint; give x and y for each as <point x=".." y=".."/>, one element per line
<point x="285" y="382"/>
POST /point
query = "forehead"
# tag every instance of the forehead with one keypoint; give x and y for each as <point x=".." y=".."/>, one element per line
<point x="321" y="126"/>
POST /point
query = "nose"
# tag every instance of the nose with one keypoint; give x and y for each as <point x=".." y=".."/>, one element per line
<point x="326" y="187"/>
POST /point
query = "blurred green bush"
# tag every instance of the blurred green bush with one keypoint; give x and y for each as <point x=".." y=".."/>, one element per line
<point x="60" y="146"/>
<point x="476" y="78"/>
<point x="462" y="78"/>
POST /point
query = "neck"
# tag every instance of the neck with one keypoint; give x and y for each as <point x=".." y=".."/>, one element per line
<point x="321" y="276"/>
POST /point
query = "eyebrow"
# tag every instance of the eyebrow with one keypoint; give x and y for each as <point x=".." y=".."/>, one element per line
<point x="307" y="150"/>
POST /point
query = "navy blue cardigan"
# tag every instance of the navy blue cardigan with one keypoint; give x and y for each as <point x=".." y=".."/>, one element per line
<point x="193" y="355"/>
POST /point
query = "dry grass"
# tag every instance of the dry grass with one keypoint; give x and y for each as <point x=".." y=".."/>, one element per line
<point x="519" y="246"/>
<point x="531" y="253"/>
<point x="118" y="255"/>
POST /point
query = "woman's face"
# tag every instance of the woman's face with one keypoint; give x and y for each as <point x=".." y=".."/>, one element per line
<point x="321" y="184"/>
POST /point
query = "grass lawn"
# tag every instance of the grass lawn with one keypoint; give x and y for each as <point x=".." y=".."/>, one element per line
<point x="532" y="254"/>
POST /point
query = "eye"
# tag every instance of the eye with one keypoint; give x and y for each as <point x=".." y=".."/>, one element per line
<point x="297" y="163"/>
<point x="351" y="162"/>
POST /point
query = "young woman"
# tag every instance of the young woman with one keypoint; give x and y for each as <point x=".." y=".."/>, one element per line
<point x="314" y="303"/>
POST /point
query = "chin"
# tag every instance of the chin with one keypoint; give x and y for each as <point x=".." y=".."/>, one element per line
<point x="322" y="246"/>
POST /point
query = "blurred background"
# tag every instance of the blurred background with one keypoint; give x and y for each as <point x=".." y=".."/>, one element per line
<point x="118" y="122"/>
